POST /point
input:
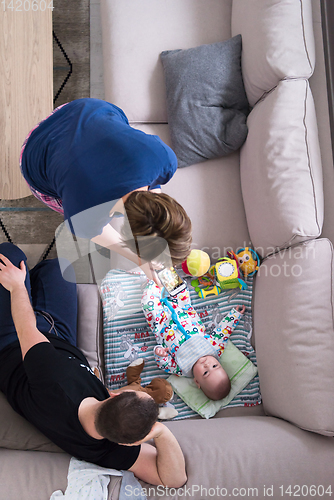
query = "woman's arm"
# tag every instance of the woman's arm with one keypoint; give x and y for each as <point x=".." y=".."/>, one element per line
<point x="163" y="464"/>
<point x="110" y="238"/>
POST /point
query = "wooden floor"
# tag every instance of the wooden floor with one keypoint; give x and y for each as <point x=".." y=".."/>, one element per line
<point x="26" y="85"/>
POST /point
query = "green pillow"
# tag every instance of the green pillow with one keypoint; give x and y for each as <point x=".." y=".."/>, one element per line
<point x="240" y="371"/>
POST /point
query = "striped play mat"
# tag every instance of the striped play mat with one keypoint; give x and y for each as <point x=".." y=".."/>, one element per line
<point x="128" y="337"/>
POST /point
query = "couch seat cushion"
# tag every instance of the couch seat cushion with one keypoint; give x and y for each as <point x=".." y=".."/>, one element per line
<point x="293" y="323"/>
<point x="194" y="186"/>
<point x="135" y="33"/>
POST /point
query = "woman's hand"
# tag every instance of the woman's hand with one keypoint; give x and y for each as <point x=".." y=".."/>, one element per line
<point x="151" y="273"/>
<point x="11" y="276"/>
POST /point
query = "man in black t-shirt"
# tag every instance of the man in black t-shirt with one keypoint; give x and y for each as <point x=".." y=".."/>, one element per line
<point x="47" y="379"/>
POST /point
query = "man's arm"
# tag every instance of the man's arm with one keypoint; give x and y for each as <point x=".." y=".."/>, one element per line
<point x="163" y="464"/>
<point x="12" y="278"/>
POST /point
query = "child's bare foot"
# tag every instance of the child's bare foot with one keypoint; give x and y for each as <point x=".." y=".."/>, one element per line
<point x="243" y="309"/>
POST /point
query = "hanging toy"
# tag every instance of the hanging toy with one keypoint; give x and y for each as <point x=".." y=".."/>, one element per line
<point x="197" y="263"/>
<point x="248" y="261"/>
<point x="228" y="274"/>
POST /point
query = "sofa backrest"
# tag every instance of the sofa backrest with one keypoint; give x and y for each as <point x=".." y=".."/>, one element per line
<point x="280" y="165"/>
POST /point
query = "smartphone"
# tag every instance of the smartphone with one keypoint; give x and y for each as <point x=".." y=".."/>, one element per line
<point x="171" y="281"/>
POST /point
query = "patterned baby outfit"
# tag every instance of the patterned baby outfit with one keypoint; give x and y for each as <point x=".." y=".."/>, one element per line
<point x="177" y="326"/>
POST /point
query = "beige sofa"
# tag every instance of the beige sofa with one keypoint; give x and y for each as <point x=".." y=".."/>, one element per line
<point x="277" y="194"/>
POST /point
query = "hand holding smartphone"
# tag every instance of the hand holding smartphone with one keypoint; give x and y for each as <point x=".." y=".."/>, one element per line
<point x="171" y="281"/>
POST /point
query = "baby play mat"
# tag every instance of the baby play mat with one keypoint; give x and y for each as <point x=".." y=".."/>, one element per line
<point x="128" y="337"/>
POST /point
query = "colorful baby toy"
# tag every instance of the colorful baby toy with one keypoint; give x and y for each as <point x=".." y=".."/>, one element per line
<point x="248" y="260"/>
<point x="197" y="263"/>
<point x="226" y="274"/>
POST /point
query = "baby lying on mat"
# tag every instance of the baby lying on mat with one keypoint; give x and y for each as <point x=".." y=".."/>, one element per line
<point x="184" y="348"/>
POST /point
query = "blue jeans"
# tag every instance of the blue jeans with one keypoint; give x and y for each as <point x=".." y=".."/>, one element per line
<point x="53" y="299"/>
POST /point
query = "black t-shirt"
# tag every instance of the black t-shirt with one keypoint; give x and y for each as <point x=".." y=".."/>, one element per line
<point x="47" y="389"/>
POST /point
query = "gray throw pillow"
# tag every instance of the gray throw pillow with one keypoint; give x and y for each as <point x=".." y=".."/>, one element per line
<point x="207" y="104"/>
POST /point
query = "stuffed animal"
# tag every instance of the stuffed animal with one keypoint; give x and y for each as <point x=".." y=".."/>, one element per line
<point x="248" y="260"/>
<point x="160" y="390"/>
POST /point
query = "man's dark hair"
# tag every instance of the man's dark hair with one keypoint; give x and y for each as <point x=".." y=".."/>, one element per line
<point x="126" y="418"/>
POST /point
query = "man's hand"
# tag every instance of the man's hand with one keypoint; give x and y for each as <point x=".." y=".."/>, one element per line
<point x="11" y="277"/>
<point x="154" y="433"/>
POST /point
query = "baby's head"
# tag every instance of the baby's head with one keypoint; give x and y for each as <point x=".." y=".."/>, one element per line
<point x="210" y="376"/>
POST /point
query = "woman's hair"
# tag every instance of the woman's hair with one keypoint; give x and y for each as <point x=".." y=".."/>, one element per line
<point x="154" y="219"/>
<point x="126" y="418"/>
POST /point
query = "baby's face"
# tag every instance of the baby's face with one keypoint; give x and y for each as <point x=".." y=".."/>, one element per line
<point x="210" y="376"/>
<point x="206" y="368"/>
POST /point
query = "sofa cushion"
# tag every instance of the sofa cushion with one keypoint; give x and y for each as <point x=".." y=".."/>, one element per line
<point x="32" y="475"/>
<point x="280" y="168"/>
<point x="16" y="433"/>
<point x="293" y="321"/>
<point x="89" y="338"/>
<point x="194" y="186"/>
<point x="206" y="100"/>
<point x="135" y="33"/>
<point x="278" y="42"/>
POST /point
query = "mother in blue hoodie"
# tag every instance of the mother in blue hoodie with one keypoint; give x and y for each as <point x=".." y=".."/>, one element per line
<point x="86" y="162"/>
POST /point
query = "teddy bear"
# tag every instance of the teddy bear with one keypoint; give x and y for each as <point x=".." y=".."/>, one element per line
<point x="160" y="390"/>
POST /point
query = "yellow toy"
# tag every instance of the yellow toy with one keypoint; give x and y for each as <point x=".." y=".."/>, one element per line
<point x="197" y="263"/>
<point x="203" y="292"/>
<point x="248" y="260"/>
<point x="228" y="274"/>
